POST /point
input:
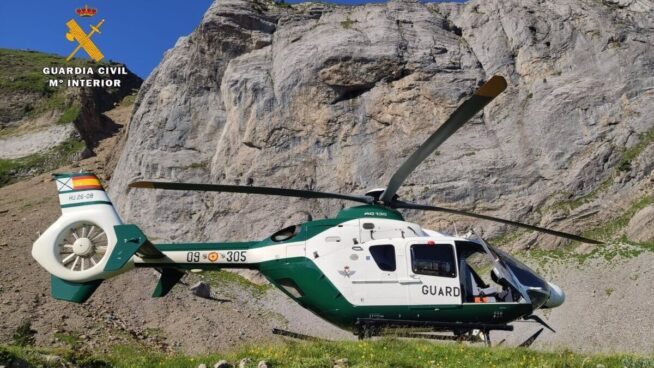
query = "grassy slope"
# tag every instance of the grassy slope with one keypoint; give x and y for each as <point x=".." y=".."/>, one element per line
<point x="378" y="353"/>
<point x="21" y="73"/>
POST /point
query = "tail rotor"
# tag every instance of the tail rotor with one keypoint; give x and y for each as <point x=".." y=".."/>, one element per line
<point x="76" y="248"/>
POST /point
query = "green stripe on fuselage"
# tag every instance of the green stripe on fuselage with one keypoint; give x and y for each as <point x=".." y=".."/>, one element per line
<point x="321" y="296"/>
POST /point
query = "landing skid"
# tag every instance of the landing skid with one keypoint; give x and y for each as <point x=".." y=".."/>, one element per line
<point x="527" y="343"/>
<point x="370" y="327"/>
<point x="295" y="335"/>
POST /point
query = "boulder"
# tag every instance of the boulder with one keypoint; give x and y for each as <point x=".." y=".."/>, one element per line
<point x="244" y="362"/>
<point x="641" y="226"/>
<point x="201" y="289"/>
<point x="222" y="364"/>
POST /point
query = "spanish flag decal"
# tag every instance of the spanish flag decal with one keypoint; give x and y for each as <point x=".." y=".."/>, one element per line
<point x="86" y="182"/>
<point x="74" y="182"/>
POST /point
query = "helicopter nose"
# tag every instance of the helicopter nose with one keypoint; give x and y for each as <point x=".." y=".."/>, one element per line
<point x="557" y="296"/>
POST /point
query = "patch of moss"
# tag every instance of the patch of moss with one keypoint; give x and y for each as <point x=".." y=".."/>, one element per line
<point x="198" y="165"/>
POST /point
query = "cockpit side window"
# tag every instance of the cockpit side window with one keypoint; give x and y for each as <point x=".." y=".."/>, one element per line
<point x="384" y="256"/>
<point x="434" y="260"/>
<point x="286" y="233"/>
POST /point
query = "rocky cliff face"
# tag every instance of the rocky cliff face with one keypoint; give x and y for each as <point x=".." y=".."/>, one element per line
<point x="335" y="98"/>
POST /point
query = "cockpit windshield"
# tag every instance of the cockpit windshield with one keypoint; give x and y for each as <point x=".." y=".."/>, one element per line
<point x="522" y="272"/>
<point x="510" y="279"/>
<point x="537" y="288"/>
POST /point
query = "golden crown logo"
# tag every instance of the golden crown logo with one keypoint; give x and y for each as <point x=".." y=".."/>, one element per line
<point x="86" y="11"/>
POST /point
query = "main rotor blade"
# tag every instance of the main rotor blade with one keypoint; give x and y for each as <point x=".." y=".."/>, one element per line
<point x="415" y="206"/>
<point x="484" y="95"/>
<point x="248" y="189"/>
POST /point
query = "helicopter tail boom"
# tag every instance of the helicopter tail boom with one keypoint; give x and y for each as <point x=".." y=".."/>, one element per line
<point x="89" y="243"/>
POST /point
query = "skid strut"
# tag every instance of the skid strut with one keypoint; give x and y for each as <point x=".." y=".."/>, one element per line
<point x="295" y="335"/>
<point x="369" y="327"/>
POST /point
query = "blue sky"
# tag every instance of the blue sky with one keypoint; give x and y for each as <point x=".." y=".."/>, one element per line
<point x="135" y="32"/>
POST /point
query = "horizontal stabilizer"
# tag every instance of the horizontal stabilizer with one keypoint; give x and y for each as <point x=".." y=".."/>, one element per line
<point x="169" y="278"/>
<point x="73" y="291"/>
<point x="130" y="240"/>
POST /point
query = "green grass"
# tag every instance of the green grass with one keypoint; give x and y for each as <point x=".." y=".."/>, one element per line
<point x="613" y="229"/>
<point x="70" y="114"/>
<point x="369" y="354"/>
<point x="21" y="72"/>
<point x="617" y="245"/>
<point x="67" y="337"/>
<point x="631" y="153"/>
<point x="11" y="169"/>
<point x="624" y="164"/>
<point x="508" y="237"/>
<point x="569" y="205"/>
<point x="24" y="334"/>
<point x="220" y="278"/>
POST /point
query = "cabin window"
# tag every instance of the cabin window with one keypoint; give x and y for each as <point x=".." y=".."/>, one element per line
<point x="286" y="233"/>
<point x="384" y="256"/>
<point x="433" y="260"/>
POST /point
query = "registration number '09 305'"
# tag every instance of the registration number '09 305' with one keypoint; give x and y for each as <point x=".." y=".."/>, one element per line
<point x="229" y="256"/>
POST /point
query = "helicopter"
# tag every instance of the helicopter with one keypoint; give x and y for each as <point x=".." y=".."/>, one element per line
<point x="367" y="269"/>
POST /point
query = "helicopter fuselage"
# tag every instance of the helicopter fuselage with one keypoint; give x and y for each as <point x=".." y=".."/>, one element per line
<point x="365" y="263"/>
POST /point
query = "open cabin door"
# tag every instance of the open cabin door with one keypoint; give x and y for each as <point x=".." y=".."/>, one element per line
<point x="432" y="274"/>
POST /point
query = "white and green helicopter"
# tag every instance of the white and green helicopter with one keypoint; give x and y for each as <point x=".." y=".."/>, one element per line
<point x="366" y="270"/>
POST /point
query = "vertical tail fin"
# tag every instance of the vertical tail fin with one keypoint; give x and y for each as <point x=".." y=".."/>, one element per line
<point x="76" y="248"/>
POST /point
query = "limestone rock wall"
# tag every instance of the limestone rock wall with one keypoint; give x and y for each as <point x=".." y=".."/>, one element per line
<point x="335" y="98"/>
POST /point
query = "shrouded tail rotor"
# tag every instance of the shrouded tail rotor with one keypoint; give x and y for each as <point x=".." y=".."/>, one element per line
<point x="76" y="248"/>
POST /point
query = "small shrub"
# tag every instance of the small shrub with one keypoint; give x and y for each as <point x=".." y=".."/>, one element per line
<point x="24" y="334"/>
<point x="347" y="23"/>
